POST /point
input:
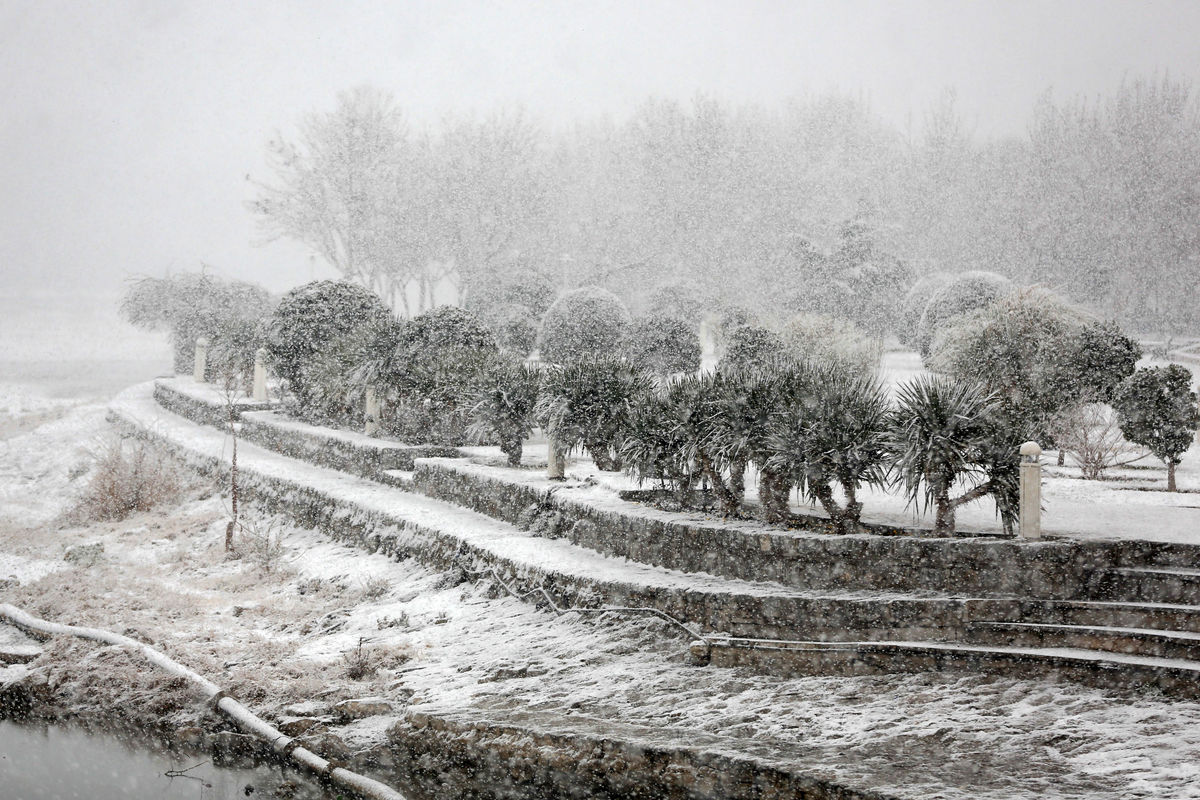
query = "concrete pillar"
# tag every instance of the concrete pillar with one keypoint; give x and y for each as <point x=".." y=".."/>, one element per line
<point x="201" y="360"/>
<point x="371" y="412"/>
<point x="556" y="460"/>
<point x="260" y="376"/>
<point x="1031" y="491"/>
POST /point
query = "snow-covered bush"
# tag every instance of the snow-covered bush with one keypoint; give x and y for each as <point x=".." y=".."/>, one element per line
<point x="440" y="355"/>
<point x="339" y="375"/>
<point x="581" y="323"/>
<point x="658" y="441"/>
<point x="912" y="307"/>
<point x="309" y="320"/>
<point x="737" y="417"/>
<point x="503" y="410"/>
<point x="231" y="314"/>
<point x="750" y="347"/>
<point x="833" y="426"/>
<point x="1099" y="359"/>
<point x="967" y="292"/>
<point x="587" y="403"/>
<point x="662" y="345"/>
<point x="947" y="436"/>
<point x="1156" y="408"/>
<point x="677" y="300"/>
<point x="822" y="339"/>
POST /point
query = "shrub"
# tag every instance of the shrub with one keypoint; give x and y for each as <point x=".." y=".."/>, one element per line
<point x="440" y="356"/>
<point x="1156" y="408"/>
<point x="678" y="301"/>
<point x="231" y="314"/>
<point x="584" y="322"/>
<point x="822" y="339"/>
<point x="945" y="433"/>
<point x="967" y="292"/>
<point x="835" y="429"/>
<point x="587" y="403"/>
<point x="662" y="345"/>
<point x="128" y="476"/>
<point x="737" y="426"/>
<point x="912" y="307"/>
<point x="309" y="321"/>
<point x="504" y="402"/>
<point x="750" y="347"/>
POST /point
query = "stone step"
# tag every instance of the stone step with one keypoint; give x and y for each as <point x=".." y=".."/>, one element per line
<point x="1090" y="613"/>
<point x="1151" y="584"/>
<point x="1175" y="677"/>
<point x="1133" y="641"/>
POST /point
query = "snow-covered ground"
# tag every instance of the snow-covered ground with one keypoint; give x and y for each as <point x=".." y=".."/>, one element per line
<point x="285" y="635"/>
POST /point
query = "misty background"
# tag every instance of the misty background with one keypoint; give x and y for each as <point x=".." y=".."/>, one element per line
<point x="136" y="135"/>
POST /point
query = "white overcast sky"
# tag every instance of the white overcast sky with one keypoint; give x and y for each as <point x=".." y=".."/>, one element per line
<point x="129" y="126"/>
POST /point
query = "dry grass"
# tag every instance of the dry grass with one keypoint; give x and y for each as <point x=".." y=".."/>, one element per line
<point x="129" y="476"/>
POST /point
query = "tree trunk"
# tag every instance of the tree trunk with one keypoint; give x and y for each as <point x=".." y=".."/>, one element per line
<point x="728" y="498"/>
<point x="512" y="449"/>
<point x="943" y="523"/>
<point x="233" y="485"/>
<point x="773" y="494"/>
<point x="737" y="479"/>
<point x="1171" y="477"/>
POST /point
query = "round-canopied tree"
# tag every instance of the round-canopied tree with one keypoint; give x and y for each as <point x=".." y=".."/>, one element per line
<point x="967" y="292"/>
<point x="1156" y="408"/>
<point x="232" y="315"/>
<point x="582" y="323"/>
<point x="912" y="307"/>
<point x="751" y="347"/>
<point x="309" y="319"/>
<point x="662" y="345"/>
<point x="440" y="356"/>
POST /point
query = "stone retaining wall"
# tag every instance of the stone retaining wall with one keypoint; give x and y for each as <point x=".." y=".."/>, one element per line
<point x="443" y="757"/>
<point x="783" y="616"/>
<point x="800" y="559"/>
<point x="366" y="459"/>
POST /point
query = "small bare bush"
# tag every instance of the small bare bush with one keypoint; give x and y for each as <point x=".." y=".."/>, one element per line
<point x="360" y="663"/>
<point x="1090" y="435"/>
<point x="375" y="587"/>
<point x="130" y="475"/>
<point x="262" y="543"/>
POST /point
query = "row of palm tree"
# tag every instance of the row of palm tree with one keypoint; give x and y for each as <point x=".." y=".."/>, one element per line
<point x="822" y="429"/>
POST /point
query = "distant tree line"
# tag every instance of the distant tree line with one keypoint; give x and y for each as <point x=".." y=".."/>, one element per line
<point x="817" y="205"/>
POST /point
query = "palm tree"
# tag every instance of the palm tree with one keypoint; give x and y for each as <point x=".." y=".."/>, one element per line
<point x="503" y="407"/>
<point x="588" y="404"/>
<point x="947" y="432"/>
<point x="834" y="427"/>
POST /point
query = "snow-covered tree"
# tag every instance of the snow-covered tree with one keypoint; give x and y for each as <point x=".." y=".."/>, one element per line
<point x="1156" y="408"/>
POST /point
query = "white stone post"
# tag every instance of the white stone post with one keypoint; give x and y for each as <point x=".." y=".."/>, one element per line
<point x="260" y="375"/>
<point x="1031" y="491"/>
<point x="201" y="360"/>
<point x="371" y="412"/>
<point x="556" y="461"/>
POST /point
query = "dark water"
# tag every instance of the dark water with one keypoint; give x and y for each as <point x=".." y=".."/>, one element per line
<point x="47" y="762"/>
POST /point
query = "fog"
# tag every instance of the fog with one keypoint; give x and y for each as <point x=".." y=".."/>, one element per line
<point x="133" y="131"/>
